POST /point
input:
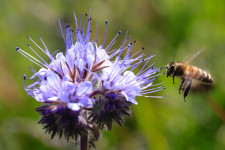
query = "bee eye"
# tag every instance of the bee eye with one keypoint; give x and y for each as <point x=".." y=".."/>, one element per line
<point x="172" y="68"/>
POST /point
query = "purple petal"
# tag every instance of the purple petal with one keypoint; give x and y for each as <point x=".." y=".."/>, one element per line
<point x="86" y="102"/>
<point x="84" y="88"/>
<point x="66" y="93"/>
<point x="73" y="106"/>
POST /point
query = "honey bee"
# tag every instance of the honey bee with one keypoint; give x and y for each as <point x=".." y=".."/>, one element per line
<point x="187" y="73"/>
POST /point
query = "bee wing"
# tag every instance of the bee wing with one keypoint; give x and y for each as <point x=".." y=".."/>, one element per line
<point x="197" y="86"/>
<point x="193" y="56"/>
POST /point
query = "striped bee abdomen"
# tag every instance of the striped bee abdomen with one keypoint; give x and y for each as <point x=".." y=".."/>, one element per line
<point x="200" y="75"/>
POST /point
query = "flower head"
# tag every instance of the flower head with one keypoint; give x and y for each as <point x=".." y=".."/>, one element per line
<point x="89" y="85"/>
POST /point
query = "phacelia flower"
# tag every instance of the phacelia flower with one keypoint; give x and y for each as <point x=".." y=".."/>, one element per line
<point x="89" y="85"/>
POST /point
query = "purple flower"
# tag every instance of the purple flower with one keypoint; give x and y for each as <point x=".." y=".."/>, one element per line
<point x="90" y="85"/>
<point x="119" y="87"/>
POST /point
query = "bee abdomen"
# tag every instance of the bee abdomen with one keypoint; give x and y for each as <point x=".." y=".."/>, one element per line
<point x="206" y="77"/>
<point x="200" y="75"/>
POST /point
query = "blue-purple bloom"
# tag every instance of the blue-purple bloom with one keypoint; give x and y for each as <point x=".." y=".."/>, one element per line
<point x="90" y="85"/>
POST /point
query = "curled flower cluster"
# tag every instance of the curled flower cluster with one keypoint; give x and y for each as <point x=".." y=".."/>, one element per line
<point x="90" y="86"/>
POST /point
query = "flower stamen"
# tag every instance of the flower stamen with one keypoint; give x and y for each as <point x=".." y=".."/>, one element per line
<point x="31" y="58"/>
<point x="106" y="23"/>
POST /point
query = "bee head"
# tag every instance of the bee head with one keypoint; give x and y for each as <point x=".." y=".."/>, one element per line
<point x="170" y="69"/>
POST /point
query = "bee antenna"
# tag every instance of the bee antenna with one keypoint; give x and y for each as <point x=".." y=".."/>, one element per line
<point x="166" y="67"/>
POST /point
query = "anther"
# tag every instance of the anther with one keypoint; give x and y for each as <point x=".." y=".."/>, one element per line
<point x="28" y="44"/>
<point x="142" y="48"/>
<point x="143" y="59"/>
<point x="24" y="77"/>
<point x="28" y="36"/>
<point x="106" y="21"/>
<point x="119" y="32"/>
<point x="67" y="26"/>
<point x="134" y="41"/>
<point x="17" y="48"/>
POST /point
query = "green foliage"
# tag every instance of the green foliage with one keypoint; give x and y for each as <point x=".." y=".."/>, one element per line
<point x="173" y="30"/>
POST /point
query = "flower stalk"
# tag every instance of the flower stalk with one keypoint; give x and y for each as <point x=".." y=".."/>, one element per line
<point x="84" y="142"/>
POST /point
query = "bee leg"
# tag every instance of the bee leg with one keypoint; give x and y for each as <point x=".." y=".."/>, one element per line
<point x="181" y="84"/>
<point x="187" y="88"/>
<point x="184" y="85"/>
<point x="173" y="78"/>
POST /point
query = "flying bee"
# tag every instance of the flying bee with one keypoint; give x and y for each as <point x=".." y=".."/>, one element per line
<point x="187" y="73"/>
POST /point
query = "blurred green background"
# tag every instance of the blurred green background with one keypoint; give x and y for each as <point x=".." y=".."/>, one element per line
<point x="171" y="29"/>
